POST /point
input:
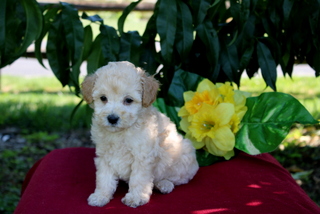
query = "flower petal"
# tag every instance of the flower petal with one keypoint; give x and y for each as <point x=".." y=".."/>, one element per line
<point x="239" y="98"/>
<point x="183" y="112"/>
<point x="184" y="124"/>
<point x="188" y="95"/>
<point x="224" y="111"/>
<point x="196" y="144"/>
<point x="229" y="155"/>
<point x="212" y="148"/>
<point x="205" y="85"/>
<point x="224" y="139"/>
<point x="241" y="112"/>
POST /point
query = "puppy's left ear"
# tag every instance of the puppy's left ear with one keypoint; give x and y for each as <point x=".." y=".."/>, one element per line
<point x="150" y="89"/>
<point x="87" y="87"/>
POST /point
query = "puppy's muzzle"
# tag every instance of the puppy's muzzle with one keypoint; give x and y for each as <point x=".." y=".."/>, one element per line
<point x="113" y="119"/>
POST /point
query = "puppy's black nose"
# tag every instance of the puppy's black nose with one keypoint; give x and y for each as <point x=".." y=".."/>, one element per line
<point x="113" y="119"/>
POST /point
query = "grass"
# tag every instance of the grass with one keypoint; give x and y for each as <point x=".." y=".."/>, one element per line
<point x="39" y="110"/>
<point x="35" y="103"/>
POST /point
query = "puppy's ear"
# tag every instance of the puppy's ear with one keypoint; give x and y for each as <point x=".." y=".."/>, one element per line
<point x="87" y="87"/>
<point x="150" y="89"/>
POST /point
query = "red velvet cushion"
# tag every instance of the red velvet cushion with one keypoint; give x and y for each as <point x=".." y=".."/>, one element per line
<point x="62" y="181"/>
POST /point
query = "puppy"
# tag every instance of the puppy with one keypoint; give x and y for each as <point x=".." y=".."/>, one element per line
<point x="134" y="142"/>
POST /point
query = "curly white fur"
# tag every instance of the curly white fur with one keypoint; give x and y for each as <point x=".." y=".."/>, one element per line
<point x="134" y="142"/>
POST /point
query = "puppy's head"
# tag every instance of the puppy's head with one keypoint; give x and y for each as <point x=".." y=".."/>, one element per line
<point x="118" y="92"/>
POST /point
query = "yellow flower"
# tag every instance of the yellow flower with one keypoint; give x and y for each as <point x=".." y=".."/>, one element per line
<point x="226" y="91"/>
<point x="211" y="116"/>
<point x="195" y="104"/>
<point x="213" y="149"/>
<point x="240" y="109"/>
<point x="206" y="92"/>
<point x="210" y="127"/>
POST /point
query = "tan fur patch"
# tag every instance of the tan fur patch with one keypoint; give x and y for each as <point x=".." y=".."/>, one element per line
<point x="87" y="87"/>
<point x="150" y="89"/>
<point x="115" y="88"/>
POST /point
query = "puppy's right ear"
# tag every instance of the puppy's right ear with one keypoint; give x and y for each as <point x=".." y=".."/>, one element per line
<point x="87" y="87"/>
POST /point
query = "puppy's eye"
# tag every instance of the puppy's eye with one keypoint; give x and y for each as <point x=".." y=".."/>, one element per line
<point x="127" y="101"/>
<point x="104" y="99"/>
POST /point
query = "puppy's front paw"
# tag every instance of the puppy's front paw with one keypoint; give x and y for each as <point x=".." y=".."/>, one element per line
<point x="98" y="200"/>
<point x="134" y="201"/>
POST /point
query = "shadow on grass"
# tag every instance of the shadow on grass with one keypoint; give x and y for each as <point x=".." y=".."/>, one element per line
<point x="28" y="131"/>
<point x="303" y="162"/>
<point x="43" y="112"/>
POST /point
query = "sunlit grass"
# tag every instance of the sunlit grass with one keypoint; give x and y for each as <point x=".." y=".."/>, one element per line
<point x="39" y="104"/>
<point x="16" y="84"/>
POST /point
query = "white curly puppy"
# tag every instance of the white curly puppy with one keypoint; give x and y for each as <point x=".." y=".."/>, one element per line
<point x="134" y="142"/>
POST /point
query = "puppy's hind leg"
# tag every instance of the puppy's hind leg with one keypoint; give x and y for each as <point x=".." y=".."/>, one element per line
<point x="164" y="186"/>
<point x="106" y="184"/>
<point x="187" y="166"/>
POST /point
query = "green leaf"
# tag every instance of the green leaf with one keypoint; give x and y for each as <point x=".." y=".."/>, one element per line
<point x="287" y="63"/>
<point x="302" y="175"/>
<point x="166" y="26"/>
<point x="124" y="15"/>
<point x="149" y="56"/>
<point x="95" y="59"/>
<point x="204" y="158"/>
<point x="2" y="26"/>
<point x="287" y="7"/>
<point x="245" y="11"/>
<point x="94" y="18"/>
<point x="314" y="22"/>
<point x="235" y="10"/>
<point x="245" y="58"/>
<point x="229" y="61"/>
<point x="201" y="7"/>
<point x="87" y="42"/>
<point x="247" y="34"/>
<point x="21" y="24"/>
<point x="314" y="62"/>
<point x="214" y="12"/>
<point x="130" y="47"/>
<point x="268" y="120"/>
<point x="73" y="31"/>
<point x="110" y="43"/>
<point x="267" y="65"/>
<point x="15" y="25"/>
<point x="56" y="45"/>
<point x="184" y="35"/>
<point x="151" y="29"/>
<point x="74" y="36"/>
<point x="182" y="81"/>
<point x="209" y="37"/>
<point x="48" y="17"/>
<point x="34" y="24"/>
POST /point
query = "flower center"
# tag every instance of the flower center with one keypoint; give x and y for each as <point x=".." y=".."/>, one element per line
<point x="207" y="126"/>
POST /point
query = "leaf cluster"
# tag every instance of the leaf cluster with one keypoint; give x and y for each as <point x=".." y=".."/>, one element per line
<point x="215" y="39"/>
